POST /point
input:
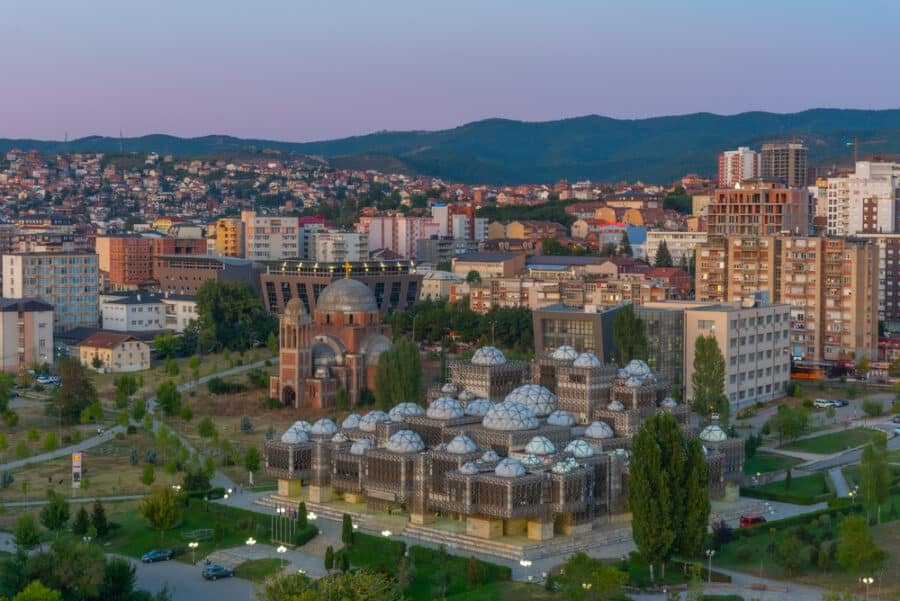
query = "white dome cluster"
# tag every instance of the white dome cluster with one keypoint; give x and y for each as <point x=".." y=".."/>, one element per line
<point x="509" y="468"/>
<point x="466" y="396"/>
<point x="531" y="460"/>
<point x="469" y="469"/>
<point x="561" y="418"/>
<point x="361" y="446"/>
<point x="616" y="406"/>
<point x="540" y="445"/>
<point x="405" y="441"/>
<point x="488" y="355"/>
<point x="489" y="456"/>
<point x="669" y="403"/>
<point x="351" y="422"/>
<point x="323" y="427"/>
<point x="587" y="360"/>
<point x="461" y="445"/>
<point x="293" y="435"/>
<point x="564" y="353"/>
<point x="402" y="410"/>
<point x="580" y="449"/>
<point x="636" y="373"/>
<point x="445" y="408"/>
<point x="478" y="407"/>
<point x="536" y="397"/>
<point x="339" y="438"/>
<point x="713" y="433"/>
<point x="510" y="416"/>
<point x="599" y="430"/>
<point x="565" y="466"/>
<point x="371" y="419"/>
<point x="449" y="389"/>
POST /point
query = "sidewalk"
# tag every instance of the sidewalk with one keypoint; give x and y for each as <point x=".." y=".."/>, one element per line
<point x="64" y="451"/>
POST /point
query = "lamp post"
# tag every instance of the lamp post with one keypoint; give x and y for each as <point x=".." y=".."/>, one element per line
<point x="281" y="550"/>
<point x="250" y="542"/>
<point x="193" y="545"/>
<point x="526" y="563"/>
<point x="867" y="580"/>
<point x="709" y="554"/>
<point x="386" y="533"/>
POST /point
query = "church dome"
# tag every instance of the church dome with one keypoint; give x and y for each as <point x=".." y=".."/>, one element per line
<point x="346" y="296"/>
<point x="599" y="430"/>
<point x="564" y="353"/>
<point x="580" y="449"/>
<point x="461" y="445"/>
<point x="294" y="308"/>
<point x="510" y="416"/>
<point x="478" y="407"/>
<point x="401" y="410"/>
<point x="372" y="347"/>
<point x="370" y="419"/>
<point x="713" y="433"/>
<point x="561" y="418"/>
<point x="536" y="397"/>
<point x="488" y="355"/>
<point x="509" y="468"/>
<point x="587" y="360"/>
<point x="405" y="441"/>
<point x="445" y="408"/>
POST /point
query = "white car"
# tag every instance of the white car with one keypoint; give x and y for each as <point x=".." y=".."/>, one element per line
<point x="823" y="403"/>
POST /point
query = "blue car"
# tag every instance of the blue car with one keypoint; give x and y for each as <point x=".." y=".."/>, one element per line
<point x="157" y="555"/>
<point x="216" y="571"/>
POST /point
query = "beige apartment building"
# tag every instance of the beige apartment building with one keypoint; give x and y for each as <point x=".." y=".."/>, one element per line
<point x="270" y="238"/>
<point x="26" y="333"/>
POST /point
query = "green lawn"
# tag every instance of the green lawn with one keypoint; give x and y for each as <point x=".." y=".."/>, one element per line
<point x="257" y="570"/>
<point x="769" y="462"/>
<point x="803" y="490"/>
<point x="507" y="591"/>
<point x="833" y="443"/>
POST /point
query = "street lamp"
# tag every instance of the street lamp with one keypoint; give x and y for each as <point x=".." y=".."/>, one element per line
<point x="193" y="545"/>
<point x="386" y="533"/>
<point x="709" y="554"/>
<point x="525" y="563"/>
<point x="311" y="515"/>
<point x="281" y="551"/>
<point x="250" y="542"/>
<point x="867" y="580"/>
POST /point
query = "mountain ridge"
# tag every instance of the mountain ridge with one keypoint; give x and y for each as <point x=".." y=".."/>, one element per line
<point x="506" y="151"/>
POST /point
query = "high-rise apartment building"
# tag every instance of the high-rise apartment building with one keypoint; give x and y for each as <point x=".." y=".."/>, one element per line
<point x="338" y="247"/>
<point x="758" y="208"/>
<point x="126" y="260"/>
<point x="270" y="238"/>
<point x="68" y="281"/>
<point x="865" y="201"/>
<point x="888" y="278"/>
<point x="785" y="162"/>
<point x="737" y="165"/>
<point x="397" y="233"/>
<point x="230" y="237"/>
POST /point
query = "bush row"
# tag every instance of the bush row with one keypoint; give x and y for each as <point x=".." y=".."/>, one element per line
<point x="784" y="497"/>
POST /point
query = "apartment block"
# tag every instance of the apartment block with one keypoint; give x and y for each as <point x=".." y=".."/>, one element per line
<point x="736" y="166"/>
<point x="126" y="260"/>
<point x="230" y="237"/>
<point x="68" y="281"/>
<point x="397" y="233"/>
<point x="338" y="247"/>
<point x="865" y="201"/>
<point x="681" y="245"/>
<point x="26" y="333"/>
<point x="888" y="278"/>
<point x="759" y="208"/>
<point x="785" y="162"/>
<point x="270" y="238"/>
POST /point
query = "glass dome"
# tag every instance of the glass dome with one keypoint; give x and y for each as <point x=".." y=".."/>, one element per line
<point x="323" y="427"/>
<point x="587" y="360"/>
<point x="488" y="355"/>
<point x="536" y="397"/>
<point x="445" y="408"/>
<point x="466" y="396"/>
<point x="638" y="368"/>
<point x="401" y="410"/>
<point x="351" y="422"/>
<point x="531" y="460"/>
<point x="405" y="441"/>
<point x="449" y="389"/>
<point x="540" y="445"/>
<point x="510" y="416"/>
<point x="302" y="425"/>
<point x="669" y="402"/>
<point x="580" y="449"/>
<point x="509" y="468"/>
<point x="599" y="430"/>
<point x="564" y="353"/>
<point x="370" y="419"/>
<point x="339" y="437"/>
<point x="461" y="445"/>
<point x="634" y="382"/>
<point x="713" y="433"/>
<point x="489" y="456"/>
<point x="616" y="406"/>
<point x="469" y="469"/>
<point x="561" y="418"/>
<point x="565" y="466"/>
<point x="479" y="407"/>
<point x="293" y="435"/>
<point x="361" y="446"/>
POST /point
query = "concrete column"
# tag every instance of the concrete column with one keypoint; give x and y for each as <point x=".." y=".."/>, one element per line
<point x="484" y="527"/>
<point x="290" y="488"/>
<point x="421" y="519"/>
<point x="320" y="494"/>
<point x="540" y="529"/>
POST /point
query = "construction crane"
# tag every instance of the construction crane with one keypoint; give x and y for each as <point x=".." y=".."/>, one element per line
<point x="855" y="143"/>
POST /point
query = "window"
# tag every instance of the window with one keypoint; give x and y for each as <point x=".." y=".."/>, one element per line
<point x="706" y="324"/>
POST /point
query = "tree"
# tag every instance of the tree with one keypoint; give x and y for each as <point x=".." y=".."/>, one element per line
<point x="38" y="592"/>
<point x="246" y="424"/>
<point x="302" y="519"/>
<point x="708" y="379"/>
<point x="875" y="474"/>
<point x="82" y="522"/>
<point x="347" y="530"/>
<point x="98" y="519"/>
<point x="206" y="428"/>
<point x="341" y="403"/>
<point x="625" y="246"/>
<point x="126" y="385"/>
<point x="788" y="423"/>
<point x="329" y="558"/>
<point x="168" y="398"/>
<point x="857" y="551"/>
<point x="166" y="345"/>
<point x="160" y="509"/>
<point x="231" y="316"/>
<point x="196" y="479"/>
<point x="872" y="408"/>
<point x="75" y="393"/>
<point x="148" y="476"/>
<point x="25" y="533"/>
<point x="696" y="501"/>
<point x="118" y="580"/>
<point x="663" y="258"/>
<point x="473" y="277"/>
<point x="251" y="460"/>
<point x="73" y="567"/>
<point x="272" y="343"/>
<point x="894" y="368"/>
<point x="629" y="336"/>
<point x="399" y="375"/>
<point x="55" y="514"/>
<point x="788" y="479"/>
<point x="583" y="578"/>
<point x="96" y="362"/>
<point x="789" y="553"/>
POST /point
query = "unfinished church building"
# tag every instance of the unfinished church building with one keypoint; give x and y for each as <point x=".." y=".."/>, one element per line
<point x="518" y="462"/>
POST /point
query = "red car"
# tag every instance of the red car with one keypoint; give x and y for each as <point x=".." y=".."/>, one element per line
<point x="748" y="520"/>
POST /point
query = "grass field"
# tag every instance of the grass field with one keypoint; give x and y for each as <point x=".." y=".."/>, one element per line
<point x="803" y="487"/>
<point x="257" y="570"/>
<point x="507" y="591"/>
<point x="769" y="462"/>
<point x="832" y="443"/>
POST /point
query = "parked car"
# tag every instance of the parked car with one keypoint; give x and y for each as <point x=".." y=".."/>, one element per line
<point x="823" y="403"/>
<point x="157" y="555"/>
<point x="897" y="431"/>
<point x="748" y="520"/>
<point x="840" y="403"/>
<point x="896" y="419"/>
<point x="215" y="571"/>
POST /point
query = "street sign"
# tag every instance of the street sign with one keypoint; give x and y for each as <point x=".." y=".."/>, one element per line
<point x="76" y="470"/>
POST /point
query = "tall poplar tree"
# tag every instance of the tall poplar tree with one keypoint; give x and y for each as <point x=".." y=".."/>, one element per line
<point x="696" y="501"/>
<point x="399" y="375"/>
<point x="875" y="475"/>
<point x="629" y="337"/>
<point x="708" y="379"/>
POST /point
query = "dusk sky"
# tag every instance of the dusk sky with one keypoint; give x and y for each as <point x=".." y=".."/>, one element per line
<point x="307" y="70"/>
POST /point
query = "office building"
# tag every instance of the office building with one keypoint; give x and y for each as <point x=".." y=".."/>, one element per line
<point x="68" y="281"/>
<point x="785" y="162"/>
<point x="586" y="329"/>
<point x="489" y="265"/>
<point x="736" y="166"/>
<point x="185" y="274"/>
<point x="436" y="250"/>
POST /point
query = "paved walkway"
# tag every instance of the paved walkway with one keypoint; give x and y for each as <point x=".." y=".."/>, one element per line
<point x="38" y="503"/>
<point x="292" y="560"/>
<point x="841" y="488"/>
<point x="64" y="451"/>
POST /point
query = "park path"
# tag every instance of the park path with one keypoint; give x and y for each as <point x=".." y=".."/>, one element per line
<point x="76" y="500"/>
<point x="841" y="488"/>
<point x="64" y="451"/>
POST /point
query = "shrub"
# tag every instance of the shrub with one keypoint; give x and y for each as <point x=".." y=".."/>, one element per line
<point x="206" y="428"/>
<point x="258" y="378"/>
<point x="271" y="403"/>
<point x="220" y="386"/>
<point x="246" y="424"/>
<point x="808" y="404"/>
<point x="305" y="534"/>
<point x="186" y="413"/>
<point x="872" y="408"/>
<point x="132" y="429"/>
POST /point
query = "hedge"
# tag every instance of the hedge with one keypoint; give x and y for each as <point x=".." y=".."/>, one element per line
<point x="785" y="497"/>
<point x="304" y="535"/>
<point x="836" y="507"/>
